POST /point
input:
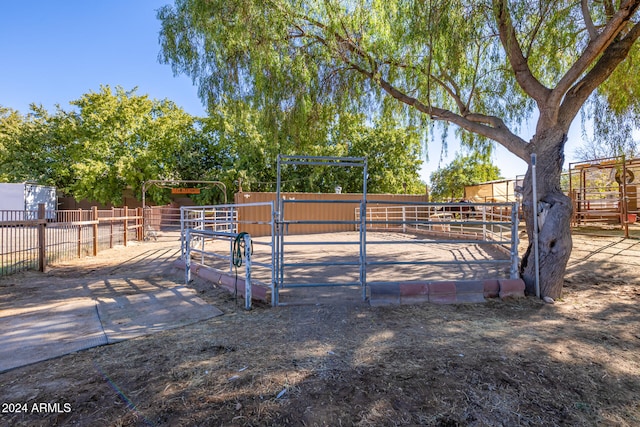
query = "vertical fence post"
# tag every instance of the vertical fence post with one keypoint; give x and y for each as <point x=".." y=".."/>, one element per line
<point x="404" y="219"/>
<point x="94" y="217"/>
<point x="183" y="235"/>
<point x="113" y="215"/>
<point x="247" y="283"/>
<point x="139" y="225"/>
<point x="42" y="238"/>
<point x="274" y="258"/>
<point x="79" y="233"/>
<point x="535" y="223"/>
<point x="484" y="223"/>
<point x="126" y="224"/>
<point x="187" y="256"/>
<point x="514" y="240"/>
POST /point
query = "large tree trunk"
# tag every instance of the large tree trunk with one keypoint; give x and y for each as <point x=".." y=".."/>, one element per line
<point x="554" y="217"/>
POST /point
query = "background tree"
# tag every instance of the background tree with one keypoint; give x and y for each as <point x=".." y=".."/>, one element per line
<point x="124" y="140"/>
<point x="447" y="184"/>
<point x="108" y="141"/>
<point x="614" y="133"/>
<point x="481" y="65"/>
<point x="255" y="137"/>
<point x="37" y="147"/>
<point x="115" y="139"/>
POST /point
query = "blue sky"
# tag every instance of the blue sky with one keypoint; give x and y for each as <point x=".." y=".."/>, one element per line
<point x="56" y="51"/>
<point x="53" y="52"/>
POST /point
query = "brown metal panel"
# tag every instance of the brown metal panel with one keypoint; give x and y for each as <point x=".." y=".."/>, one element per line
<point x="310" y="211"/>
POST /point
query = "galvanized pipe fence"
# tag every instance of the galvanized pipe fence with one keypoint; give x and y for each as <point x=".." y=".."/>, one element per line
<point x="210" y="232"/>
<point x="491" y="224"/>
<point x="461" y="224"/>
<point x="357" y="264"/>
<point x="191" y="233"/>
<point x="29" y="240"/>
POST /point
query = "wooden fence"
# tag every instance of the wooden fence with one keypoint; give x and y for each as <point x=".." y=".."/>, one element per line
<point x="30" y="240"/>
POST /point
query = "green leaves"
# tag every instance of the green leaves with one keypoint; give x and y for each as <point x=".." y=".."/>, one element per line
<point x="482" y="65"/>
<point x="36" y="147"/>
<point x="111" y="140"/>
<point x="126" y="139"/>
<point x="448" y="183"/>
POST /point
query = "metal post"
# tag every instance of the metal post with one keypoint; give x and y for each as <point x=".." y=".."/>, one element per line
<point x="535" y="224"/>
<point x="202" y="222"/>
<point x="247" y="283"/>
<point x="279" y="232"/>
<point x="363" y="233"/>
<point x="274" y="269"/>
<point x="231" y="257"/>
<point x="514" y="241"/>
<point x="625" y="198"/>
<point x="183" y="236"/>
<point x="404" y="220"/>
<point x="484" y="223"/>
<point x="187" y="258"/>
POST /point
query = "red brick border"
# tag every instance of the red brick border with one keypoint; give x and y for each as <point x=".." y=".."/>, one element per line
<point x="446" y="292"/>
<point x="511" y="288"/>
<point x="227" y="281"/>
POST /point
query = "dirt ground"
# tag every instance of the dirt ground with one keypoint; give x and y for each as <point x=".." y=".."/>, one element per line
<point x="502" y="363"/>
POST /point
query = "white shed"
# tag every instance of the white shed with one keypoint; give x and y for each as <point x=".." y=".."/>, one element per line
<point x="25" y="196"/>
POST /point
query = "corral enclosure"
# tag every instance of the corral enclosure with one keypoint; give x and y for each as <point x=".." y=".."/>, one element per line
<point x="322" y="241"/>
<point x="32" y="239"/>
<point x="503" y="190"/>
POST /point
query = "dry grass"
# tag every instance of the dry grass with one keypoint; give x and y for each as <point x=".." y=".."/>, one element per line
<point x="503" y="363"/>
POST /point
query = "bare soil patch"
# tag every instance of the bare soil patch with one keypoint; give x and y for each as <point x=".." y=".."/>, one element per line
<point x="503" y="363"/>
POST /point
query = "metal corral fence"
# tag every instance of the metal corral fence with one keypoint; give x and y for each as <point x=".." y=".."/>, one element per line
<point x="488" y="224"/>
<point x="491" y="223"/>
<point x="212" y="238"/>
<point x="30" y="240"/>
<point x="463" y="224"/>
<point x="161" y="223"/>
<point x="335" y="207"/>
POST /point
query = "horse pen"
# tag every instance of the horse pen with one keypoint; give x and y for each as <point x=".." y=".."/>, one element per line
<point x="314" y="361"/>
<point x="311" y="256"/>
<point x="515" y="362"/>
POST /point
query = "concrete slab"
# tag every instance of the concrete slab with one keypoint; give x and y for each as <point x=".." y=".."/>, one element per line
<point x="58" y="329"/>
<point x="132" y="316"/>
<point x="52" y="330"/>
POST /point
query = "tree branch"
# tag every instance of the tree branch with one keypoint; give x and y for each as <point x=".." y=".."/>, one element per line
<point x="606" y="65"/>
<point x="487" y="126"/>
<point x="518" y="62"/>
<point x="588" y="22"/>
<point x="594" y="49"/>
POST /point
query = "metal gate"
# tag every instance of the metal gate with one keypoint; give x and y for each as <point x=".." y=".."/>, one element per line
<point x="294" y="260"/>
<point x="438" y="225"/>
<point x="283" y="223"/>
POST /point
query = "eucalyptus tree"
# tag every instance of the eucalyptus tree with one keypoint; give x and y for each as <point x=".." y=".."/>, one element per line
<point x="484" y="66"/>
